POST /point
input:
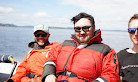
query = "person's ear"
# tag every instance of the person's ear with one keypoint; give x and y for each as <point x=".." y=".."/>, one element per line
<point x="94" y="27"/>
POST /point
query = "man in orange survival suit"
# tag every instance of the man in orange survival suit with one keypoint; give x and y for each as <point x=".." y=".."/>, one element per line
<point x="30" y="69"/>
<point x="84" y="58"/>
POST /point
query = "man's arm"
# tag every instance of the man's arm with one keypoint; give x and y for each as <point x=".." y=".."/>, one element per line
<point x="110" y="68"/>
<point x="49" y="70"/>
<point x="20" y="72"/>
<point x="120" y="56"/>
<point x="120" y="79"/>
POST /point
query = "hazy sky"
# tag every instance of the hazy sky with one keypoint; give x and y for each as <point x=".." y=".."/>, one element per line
<point x="108" y="14"/>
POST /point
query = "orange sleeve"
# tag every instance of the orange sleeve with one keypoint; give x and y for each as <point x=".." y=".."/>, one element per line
<point x="54" y="52"/>
<point x="20" y="71"/>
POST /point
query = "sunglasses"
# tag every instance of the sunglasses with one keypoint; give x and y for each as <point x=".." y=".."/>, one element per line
<point x="132" y="30"/>
<point x="42" y="34"/>
<point x="84" y="28"/>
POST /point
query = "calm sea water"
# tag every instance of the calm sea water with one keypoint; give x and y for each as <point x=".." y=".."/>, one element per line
<point x="14" y="41"/>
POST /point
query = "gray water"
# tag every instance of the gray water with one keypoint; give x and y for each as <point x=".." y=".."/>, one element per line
<point x="14" y="41"/>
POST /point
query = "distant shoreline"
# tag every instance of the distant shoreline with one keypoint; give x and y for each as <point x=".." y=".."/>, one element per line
<point x="7" y="25"/>
<point x="50" y="27"/>
<point x="4" y="26"/>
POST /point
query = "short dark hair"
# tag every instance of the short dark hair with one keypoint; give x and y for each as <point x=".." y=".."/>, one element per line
<point x="134" y="17"/>
<point x="83" y="15"/>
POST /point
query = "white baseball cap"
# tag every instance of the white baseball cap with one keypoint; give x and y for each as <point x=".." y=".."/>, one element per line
<point x="41" y="27"/>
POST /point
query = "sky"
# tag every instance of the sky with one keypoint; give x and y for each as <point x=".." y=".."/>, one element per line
<point x="108" y="14"/>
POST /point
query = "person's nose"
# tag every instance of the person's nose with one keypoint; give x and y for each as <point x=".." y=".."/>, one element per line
<point x="82" y="32"/>
<point x="136" y="33"/>
<point x="40" y="36"/>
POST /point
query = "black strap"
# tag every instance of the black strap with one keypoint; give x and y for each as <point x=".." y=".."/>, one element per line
<point x="64" y="68"/>
<point x="69" y="74"/>
<point x="31" y="75"/>
<point x="59" y="73"/>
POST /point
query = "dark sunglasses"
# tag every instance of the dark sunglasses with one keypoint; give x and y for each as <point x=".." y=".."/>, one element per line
<point x="84" y="28"/>
<point x="132" y="30"/>
<point x="42" y="34"/>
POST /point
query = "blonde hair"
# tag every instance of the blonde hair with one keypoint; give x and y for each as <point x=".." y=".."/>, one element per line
<point x="134" y="17"/>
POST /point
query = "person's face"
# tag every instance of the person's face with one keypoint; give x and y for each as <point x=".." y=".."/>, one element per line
<point x="85" y="30"/>
<point x="134" y="36"/>
<point x="41" y="37"/>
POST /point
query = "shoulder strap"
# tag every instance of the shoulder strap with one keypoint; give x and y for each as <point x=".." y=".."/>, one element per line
<point x="104" y="49"/>
<point x="28" y="54"/>
<point x="47" y="54"/>
<point x="69" y="43"/>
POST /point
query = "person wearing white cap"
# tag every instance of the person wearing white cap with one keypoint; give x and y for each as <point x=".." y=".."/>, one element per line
<point x="43" y="31"/>
<point x="30" y="69"/>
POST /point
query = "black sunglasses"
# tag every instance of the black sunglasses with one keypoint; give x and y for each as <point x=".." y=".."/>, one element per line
<point x="42" y="34"/>
<point x="132" y="30"/>
<point x="84" y="28"/>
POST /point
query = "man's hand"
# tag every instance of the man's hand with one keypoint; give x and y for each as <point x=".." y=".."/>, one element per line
<point x="32" y="80"/>
<point x="50" y="78"/>
<point x="12" y="60"/>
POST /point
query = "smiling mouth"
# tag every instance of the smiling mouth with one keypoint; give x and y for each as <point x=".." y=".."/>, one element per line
<point x="136" y="39"/>
<point x="40" y="40"/>
<point x="82" y="36"/>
